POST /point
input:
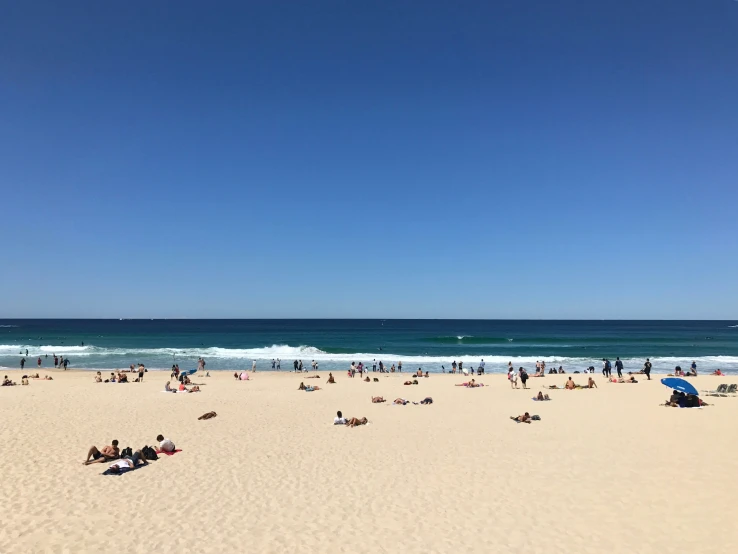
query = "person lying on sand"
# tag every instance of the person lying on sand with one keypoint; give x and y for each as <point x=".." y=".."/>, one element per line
<point x="542" y="396"/>
<point x="378" y="399"/>
<point x="313" y="377"/>
<point x="400" y="401"/>
<point x="426" y="400"/>
<point x="47" y="378"/>
<point x="553" y="386"/>
<point x="105" y="454"/>
<point x="525" y="418"/>
<point x="354" y="421"/>
<point x="591" y="384"/>
<point x="539" y="373"/>
<point x="630" y="379"/>
<point x="37" y="376"/>
<point x="129" y="462"/>
<point x="408" y="383"/>
<point x="330" y="379"/>
<point x="208" y="415"/>
<point x="471" y="384"/>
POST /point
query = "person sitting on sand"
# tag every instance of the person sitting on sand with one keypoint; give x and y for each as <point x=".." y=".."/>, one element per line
<point x="674" y="399"/>
<point x="408" y="383"/>
<point x="129" y="462"/>
<point x="691" y="373"/>
<point x="339" y="419"/>
<point x="591" y="383"/>
<point x="301" y="387"/>
<point x="122" y="378"/>
<point x="355" y="421"/>
<point x="570" y="384"/>
<point x="105" y="454"/>
<point x="24" y="381"/>
<point x="400" y="401"/>
<point x="235" y="375"/>
<point x="165" y="445"/>
<point x="541" y="397"/>
<point x="378" y="399"/>
<point x="98" y="377"/>
<point x="167" y="388"/>
<point x="367" y="380"/>
<point x="718" y="373"/>
<point x="208" y="415"/>
<point x="331" y="380"/>
<point x="195" y="388"/>
<point x="525" y="418"/>
<point x="7" y="382"/>
<point x="426" y="374"/>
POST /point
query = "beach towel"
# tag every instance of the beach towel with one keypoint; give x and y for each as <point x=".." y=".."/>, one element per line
<point x="124" y="470"/>
<point x="168" y="453"/>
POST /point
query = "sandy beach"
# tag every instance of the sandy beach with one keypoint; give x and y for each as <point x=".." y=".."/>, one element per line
<point x="605" y="470"/>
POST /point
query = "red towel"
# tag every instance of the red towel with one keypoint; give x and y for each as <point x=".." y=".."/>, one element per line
<point x="168" y="453"/>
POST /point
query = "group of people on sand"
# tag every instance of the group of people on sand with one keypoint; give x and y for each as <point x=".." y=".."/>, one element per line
<point x="127" y="459"/>
<point x="182" y="387"/>
<point x="25" y="380"/>
<point x="402" y="401"/>
<point x="571" y="385"/>
<point x="679" y="399"/>
<point x="692" y="372"/>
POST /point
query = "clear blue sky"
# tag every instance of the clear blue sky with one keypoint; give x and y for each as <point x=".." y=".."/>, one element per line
<point x="519" y="158"/>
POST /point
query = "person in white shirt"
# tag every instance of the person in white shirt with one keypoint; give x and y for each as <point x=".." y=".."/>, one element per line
<point x="165" y="445"/>
<point x="339" y="419"/>
<point x="511" y="375"/>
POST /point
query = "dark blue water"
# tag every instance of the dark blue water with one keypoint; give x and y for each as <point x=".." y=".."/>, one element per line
<point x="430" y="344"/>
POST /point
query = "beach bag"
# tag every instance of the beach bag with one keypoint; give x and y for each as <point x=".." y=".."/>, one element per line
<point x="149" y="453"/>
<point x="126" y="452"/>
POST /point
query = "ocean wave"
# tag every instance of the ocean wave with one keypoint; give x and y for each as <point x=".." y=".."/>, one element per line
<point x="732" y="326"/>
<point x="6" y="326"/>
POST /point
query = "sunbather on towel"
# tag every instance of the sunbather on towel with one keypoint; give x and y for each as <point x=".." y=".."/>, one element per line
<point x="129" y="462"/>
<point x="105" y="454"/>
<point x="378" y="399"/>
<point x="525" y="418"/>
<point x="167" y="388"/>
<point x="541" y="397"/>
<point x="165" y="445"/>
<point x="400" y="401"/>
<point x="427" y="400"/>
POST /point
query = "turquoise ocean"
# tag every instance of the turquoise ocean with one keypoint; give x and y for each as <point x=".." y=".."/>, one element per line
<point x="428" y="344"/>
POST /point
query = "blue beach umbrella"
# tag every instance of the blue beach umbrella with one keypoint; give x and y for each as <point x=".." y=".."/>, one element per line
<point x="680" y="385"/>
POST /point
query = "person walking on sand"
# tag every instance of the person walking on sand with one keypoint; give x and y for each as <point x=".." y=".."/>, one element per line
<point x="523" y="377"/>
<point x="253" y="366"/>
<point x="647" y="368"/>
<point x="200" y="364"/>
<point x="23" y="363"/>
<point x="619" y="366"/>
<point x="512" y="378"/>
<point x="279" y="364"/>
<point x="295" y="365"/>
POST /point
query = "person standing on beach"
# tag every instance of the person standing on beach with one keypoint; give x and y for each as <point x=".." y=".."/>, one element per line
<point x="694" y="367"/>
<point x="274" y="364"/>
<point x="200" y="364"/>
<point x="604" y="368"/>
<point x="647" y="368"/>
<point x="374" y="365"/>
<point x="619" y="366"/>
<point x="523" y="376"/>
<point x="295" y="365"/>
<point x="56" y="360"/>
<point x="39" y="361"/>
<point x="253" y="366"/>
<point x="399" y="366"/>
<point x="461" y="366"/>
<point x="23" y="362"/>
<point x="453" y="366"/>
<point x="66" y="363"/>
